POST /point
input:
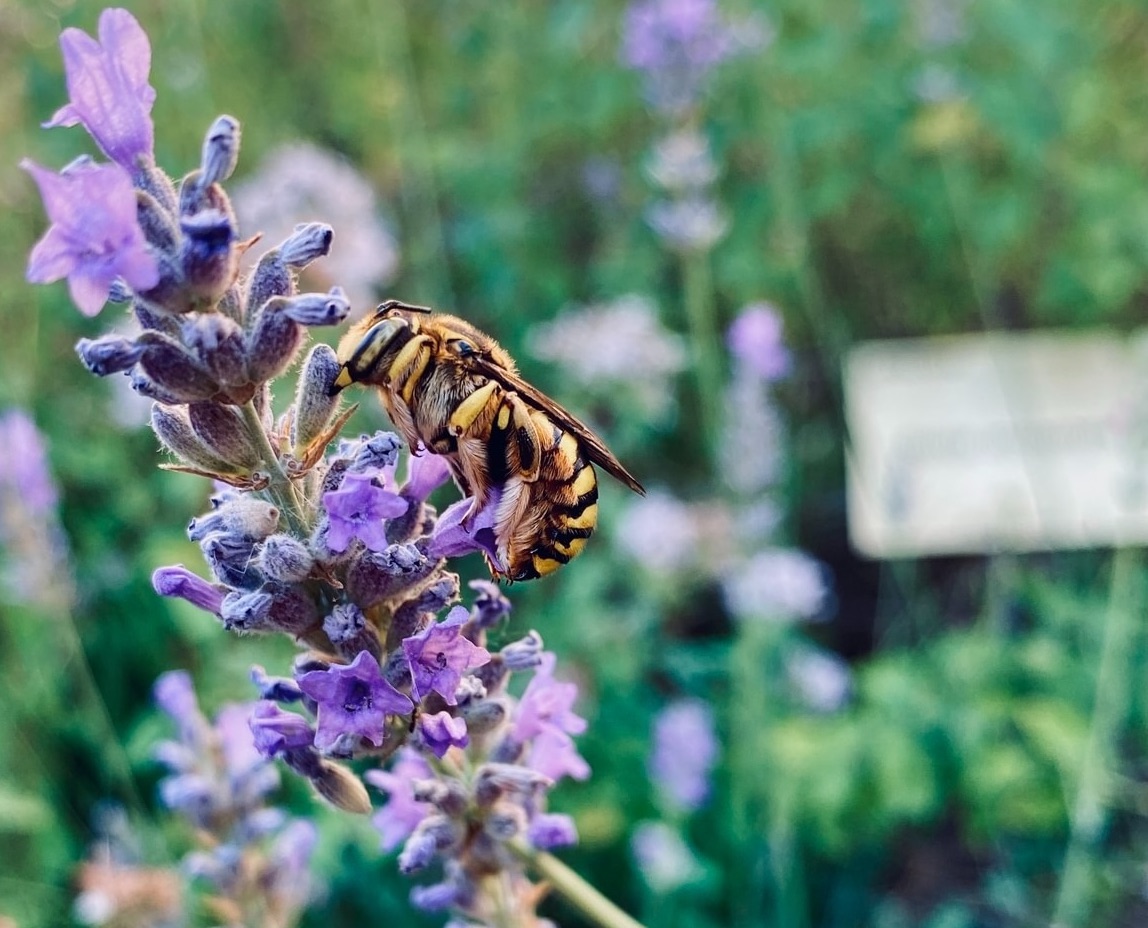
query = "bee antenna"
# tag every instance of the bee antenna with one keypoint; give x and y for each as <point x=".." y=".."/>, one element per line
<point x="388" y="305"/>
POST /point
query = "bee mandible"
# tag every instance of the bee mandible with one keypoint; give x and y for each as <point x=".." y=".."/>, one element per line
<point x="453" y="389"/>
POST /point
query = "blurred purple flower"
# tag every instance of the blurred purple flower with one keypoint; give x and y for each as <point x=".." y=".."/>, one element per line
<point x="551" y="829"/>
<point x="95" y="236"/>
<point x="459" y="532"/>
<point x="402" y="813"/>
<point x="691" y="224"/>
<point x="547" y="703"/>
<point x="777" y="584"/>
<point x="108" y="89"/>
<point x="439" y="655"/>
<point x="353" y="699"/>
<point x="24" y="463"/>
<point x="490" y="605"/>
<point x="237" y="741"/>
<point x="358" y="509"/>
<point x="755" y="340"/>
<point x="660" y="531"/>
<point x="677" y="43"/>
<point x="684" y="754"/>
<point x="553" y="754"/>
<point x="821" y="679"/>
<point x="275" y="731"/>
<point x="292" y="885"/>
<point x="663" y="857"/>
<point x="174" y="693"/>
<point x="442" y="731"/>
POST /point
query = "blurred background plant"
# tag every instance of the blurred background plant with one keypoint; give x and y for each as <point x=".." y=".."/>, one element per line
<point x="608" y="189"/>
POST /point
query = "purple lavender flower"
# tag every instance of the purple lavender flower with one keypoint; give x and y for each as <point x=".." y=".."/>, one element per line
<point x="547" y="703"/>
<point x="553" y="754"/>
<point x="426" y="472"/>
<point x="442" y="731"/>
<point x="178" y="581"/>
<point x="755" y="340"/>
<point x="779" y="585"/>
<point x="551" y="829"/>
<point x="402" y="813"/>
<point x="25" y="463"/>
<point x="108" y="89"/>
<point x="678" y="43"/>
<point x="439" y="655"/>
<point x="95" y="236"/>
<point x="174" y="693"/>
<point x="353" y="700"/>
<point x="358" y="509"/>
<point x="664" y="859"/>
<point x="459" y="532"/>
<point x="275" y="731"/>
<point x="685" y="751"/>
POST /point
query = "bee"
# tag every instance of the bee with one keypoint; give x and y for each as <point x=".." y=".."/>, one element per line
<point x="453" y="389"/>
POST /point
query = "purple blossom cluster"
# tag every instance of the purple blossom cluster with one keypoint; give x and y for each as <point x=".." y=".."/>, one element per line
<point x="253" y="857"/>
<point x="35" y="558"/>
<point x="677" y="44"/>
<point x="308" y="534"/>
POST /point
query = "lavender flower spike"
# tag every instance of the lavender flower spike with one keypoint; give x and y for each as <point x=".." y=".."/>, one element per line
<point x="755" y="339"/>
<point x="94" y="237"/>
<point x="108" y="89"/>
<point x="439" y="655"/>
<point x="685" y="751"/>
<point x="353" y="700"/>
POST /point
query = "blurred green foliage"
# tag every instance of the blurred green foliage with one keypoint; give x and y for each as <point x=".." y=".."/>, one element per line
<point x="990" y="768"/>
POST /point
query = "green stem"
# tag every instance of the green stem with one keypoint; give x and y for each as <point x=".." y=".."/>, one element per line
<point x="1089" y="813"/>
<point x="281" y="489"/>
<point x="575" y="890"/>
<point x="701" y="317"/>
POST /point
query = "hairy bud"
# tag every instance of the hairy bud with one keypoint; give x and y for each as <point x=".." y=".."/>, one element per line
<point x="313" y="404"/>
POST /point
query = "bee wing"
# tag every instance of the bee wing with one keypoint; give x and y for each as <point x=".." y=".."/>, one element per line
<point x="597" y="452"/>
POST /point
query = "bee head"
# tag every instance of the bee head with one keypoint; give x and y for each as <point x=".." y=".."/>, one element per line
<point x="365" y="347"/>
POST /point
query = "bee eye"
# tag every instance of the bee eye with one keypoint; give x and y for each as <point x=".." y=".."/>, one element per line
<point x="464" y="348"/>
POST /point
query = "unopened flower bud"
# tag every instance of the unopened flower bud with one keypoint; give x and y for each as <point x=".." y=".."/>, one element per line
<point x="243" y="518"/>
<point x="231" y="561"/>
<point x="495" y="780"/>
<point x="341" y="788"/>
<point x="350" y="632"/>
<point x="524" y="653"/>
<point x="493" y="674"/>
<point x="504" y="821"/>
<point x="169" y="296"/>
<point x="278" y="689"/>
<point x="377" y="575"/>
<point x="151" y="318"/>
<point x="484" y="715"/>
<point x="220" y="150"/>
<point x="293" y="611"/>
<point x="157" y="223"/>
<point x="120" y="292"/>
<point x="222" y="429"/>
<point x="313" y="404"/>
<point x="410" y="615"/>
<point x="432" y="836"/>
<point x="247" y="612"/>
<point x="108" y="354"/>
<point x="285" y="559"/>
<point x="181" y="582"/>
<point x="272" y="342"/>
<point x="271" y="278"/>
<point x="173" y="428"/>
<point x="169" y="365"/>
<point x="448" y="796"/>
<point x="142" y="384"/>
<point x="490" y="606"/>
<point x="318" y="308"/>
<point x="309" y="241"/>
<point x="217" y="342"/>
<point x="208" y="257"/>
<point x="149" y="177"/>
<point x="550" y="830"/>
<point x="370" y="452"/>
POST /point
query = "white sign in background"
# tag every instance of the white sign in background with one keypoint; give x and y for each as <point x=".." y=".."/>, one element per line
<point x="997" y="442"/>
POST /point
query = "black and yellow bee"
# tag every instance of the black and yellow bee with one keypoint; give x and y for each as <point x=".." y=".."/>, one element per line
<point x="454" y="389"/>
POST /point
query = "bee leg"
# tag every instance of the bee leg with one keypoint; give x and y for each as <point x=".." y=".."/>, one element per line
<point x="409" y="365"/>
